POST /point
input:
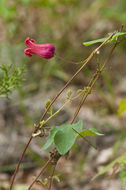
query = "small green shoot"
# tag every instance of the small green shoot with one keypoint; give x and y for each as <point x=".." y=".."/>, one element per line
<point x="47" y="105"/>
<point x="69" y="94"/>
<point x="42" y="123"/>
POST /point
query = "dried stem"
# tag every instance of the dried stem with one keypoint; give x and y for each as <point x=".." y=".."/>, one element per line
<point x="51" y="179"/>
<point x="92" y="83"/>
<point x="42" y="170"/>
<point x="55" y="98"/>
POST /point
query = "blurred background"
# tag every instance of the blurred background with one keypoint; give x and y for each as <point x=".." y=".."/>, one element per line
<point x="26" y="83"/>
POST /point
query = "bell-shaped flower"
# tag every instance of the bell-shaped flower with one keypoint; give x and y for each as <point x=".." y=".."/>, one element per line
<point x="44" y="50"/>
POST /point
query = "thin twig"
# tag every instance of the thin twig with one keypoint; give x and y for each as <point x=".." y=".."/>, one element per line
<point x="55" y="98"/>
<point x="92" y="83"/>
<point x="51" y="179"/>
<point x="85" y="94"/>
<point x="42" y="170"/>
<point x="19" y="162"/>
<point x="57" y="111"/>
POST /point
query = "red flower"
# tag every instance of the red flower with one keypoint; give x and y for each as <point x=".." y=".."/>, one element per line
<point x="44" y="50"/>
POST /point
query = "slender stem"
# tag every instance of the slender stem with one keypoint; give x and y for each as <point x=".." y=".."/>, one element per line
<point x="56" y="112"/>
<point x="92" y="83"/>
<point x="55" y="98"/>
<point x="85" y="94"/>
<point x="63" y="107"/>
<point x="107" y="60"/>
<point x="19" y="162"/>
<point x="42" y="170"/>
<point x="51" y="180"/>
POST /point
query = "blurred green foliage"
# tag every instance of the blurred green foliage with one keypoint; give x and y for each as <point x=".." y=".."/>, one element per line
<point x="10" y="79"/>
<point x="122" y="107"/>
<point x="116" y="12"/>
<point x="118" y="162"/>
<point x="12" y="68"/>
<point x="7" y="11"/>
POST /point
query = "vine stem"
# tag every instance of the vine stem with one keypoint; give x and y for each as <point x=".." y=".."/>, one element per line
<point x="92" y="83"/>
<point x="19" y="162"/>
<point x="42" y="170"/>
<point x="57" y="111"/>
<point x="51" y="180"/>
<point x="55" y="98"/>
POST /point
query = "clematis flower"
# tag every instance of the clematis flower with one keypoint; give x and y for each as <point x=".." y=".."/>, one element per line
<point x="44" y="50"/>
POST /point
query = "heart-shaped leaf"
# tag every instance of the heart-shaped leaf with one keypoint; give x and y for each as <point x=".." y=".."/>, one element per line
<point x="65" y="138"/>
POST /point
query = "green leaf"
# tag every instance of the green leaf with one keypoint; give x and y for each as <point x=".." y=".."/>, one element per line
<point x="94" y="41"/>
<point x="47" y="105"/>
<point x="65" y="138"/>
<point x="89" y="132"/>
<point x="120" y="160"/>
<point x="122" y="107"/>
<point x="117" y="34"/>
<point x="103" y="39"/>
<point x="50" y="140"/>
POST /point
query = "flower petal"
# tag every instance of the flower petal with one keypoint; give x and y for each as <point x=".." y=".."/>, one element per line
<point x="27" y="52"/>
